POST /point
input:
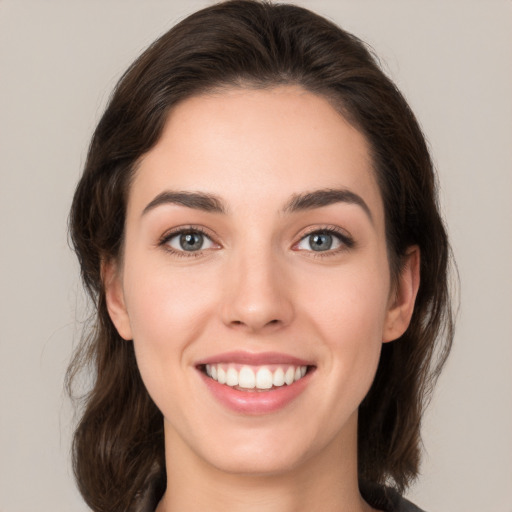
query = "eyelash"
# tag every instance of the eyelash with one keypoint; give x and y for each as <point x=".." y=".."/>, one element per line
<point x="169" y="235"/>
<point x="346" y="241"/>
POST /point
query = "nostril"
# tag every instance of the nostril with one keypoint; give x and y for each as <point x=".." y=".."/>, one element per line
<point x="256" y="324"/>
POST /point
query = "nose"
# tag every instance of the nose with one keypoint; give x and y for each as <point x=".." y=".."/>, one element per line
<point x="257" y="294"/>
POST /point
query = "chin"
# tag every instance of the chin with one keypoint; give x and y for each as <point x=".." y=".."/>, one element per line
<point x="265" y="453"/>
<point x="259" y="464"/>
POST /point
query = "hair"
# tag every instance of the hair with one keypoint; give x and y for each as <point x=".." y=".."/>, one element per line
<point x="119" y="444"/>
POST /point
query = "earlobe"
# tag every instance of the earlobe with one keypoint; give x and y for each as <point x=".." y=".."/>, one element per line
<point x="114" y="296"/>
<point x="401" y="304"/>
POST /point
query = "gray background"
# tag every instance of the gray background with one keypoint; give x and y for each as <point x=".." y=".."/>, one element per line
<point x="58" y="63"/>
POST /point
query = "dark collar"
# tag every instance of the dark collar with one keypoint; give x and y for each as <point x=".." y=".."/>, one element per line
<point x="379" y="497"/>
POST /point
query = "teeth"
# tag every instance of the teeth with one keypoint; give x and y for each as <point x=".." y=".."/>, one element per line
<point x="247" y="377"/>
<point x="289" y="376"/>
<point x="232" y="377"/>
<point x="221" y="376"/>
<point x="278" y="377"/>
<point x="264" y="378"/>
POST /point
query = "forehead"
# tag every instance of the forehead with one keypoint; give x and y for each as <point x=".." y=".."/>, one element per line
<point x="256" y="145"/>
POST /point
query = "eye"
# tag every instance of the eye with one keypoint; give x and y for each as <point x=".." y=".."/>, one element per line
<point x="189" y="240"/>
<point x="324" y="240"/>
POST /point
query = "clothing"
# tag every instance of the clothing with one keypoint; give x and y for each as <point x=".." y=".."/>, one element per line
<point x="381" y="498"/>
<point x="387" y="499"/>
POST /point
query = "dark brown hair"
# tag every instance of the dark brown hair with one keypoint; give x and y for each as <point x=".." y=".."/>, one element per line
<point x="118" y="443"/>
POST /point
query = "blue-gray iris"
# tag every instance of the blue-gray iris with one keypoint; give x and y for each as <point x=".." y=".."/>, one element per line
<point x="191" y="241"/>
<point x="320" y="241"/>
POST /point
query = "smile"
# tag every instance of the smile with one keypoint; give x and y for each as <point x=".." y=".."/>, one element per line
<point x="255" y="378"/>
<point x="256" y="384"/>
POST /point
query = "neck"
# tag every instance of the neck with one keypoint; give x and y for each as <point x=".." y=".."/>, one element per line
<point x="327" y="481"/>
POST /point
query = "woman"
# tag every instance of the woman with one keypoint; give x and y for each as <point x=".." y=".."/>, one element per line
<point x="257" y="225"/>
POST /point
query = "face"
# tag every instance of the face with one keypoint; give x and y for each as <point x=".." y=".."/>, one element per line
<point x="255" y="281"/>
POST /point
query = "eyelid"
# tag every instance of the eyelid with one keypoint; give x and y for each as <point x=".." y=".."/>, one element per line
<point x="187" y="228"/>
<point x="346" y="240"/>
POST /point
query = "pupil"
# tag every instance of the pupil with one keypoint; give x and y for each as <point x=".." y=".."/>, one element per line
<point x="321" y="242"/>
<point x="191" y="241"/>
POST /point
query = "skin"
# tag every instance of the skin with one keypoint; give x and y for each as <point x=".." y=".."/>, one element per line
<point x="258" y="287"/>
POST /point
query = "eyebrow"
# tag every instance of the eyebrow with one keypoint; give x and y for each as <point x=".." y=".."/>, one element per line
<point x="325" y="197"/>
<point x="196" y="200"/>
<point x="298" y="202"/>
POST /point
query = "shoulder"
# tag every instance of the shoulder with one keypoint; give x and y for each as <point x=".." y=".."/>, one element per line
<point x="403" y="505"/>
<point x="149" y="497"/>
<point x="387" y="499"/>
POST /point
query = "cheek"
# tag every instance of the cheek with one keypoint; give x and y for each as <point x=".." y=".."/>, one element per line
<point x="349" y="302"/>
<point x="165" y="303"/>
<point x="349" y="316"/>
<point x="167" y="311"/>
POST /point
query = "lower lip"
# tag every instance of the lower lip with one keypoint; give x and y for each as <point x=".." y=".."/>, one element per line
<point x="256" y="402"/>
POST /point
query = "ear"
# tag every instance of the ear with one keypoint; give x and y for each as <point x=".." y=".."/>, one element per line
<point x="401" y="302"/>
<point x="114" y="296"/>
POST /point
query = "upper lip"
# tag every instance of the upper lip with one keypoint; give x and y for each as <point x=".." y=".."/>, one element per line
<point x="254" y="359"/>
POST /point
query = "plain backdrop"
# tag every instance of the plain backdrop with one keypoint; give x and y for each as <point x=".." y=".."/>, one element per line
<point x="59" y="60"/>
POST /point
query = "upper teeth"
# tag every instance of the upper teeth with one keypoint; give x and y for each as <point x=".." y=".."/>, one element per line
<point x="263" y="377"/>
